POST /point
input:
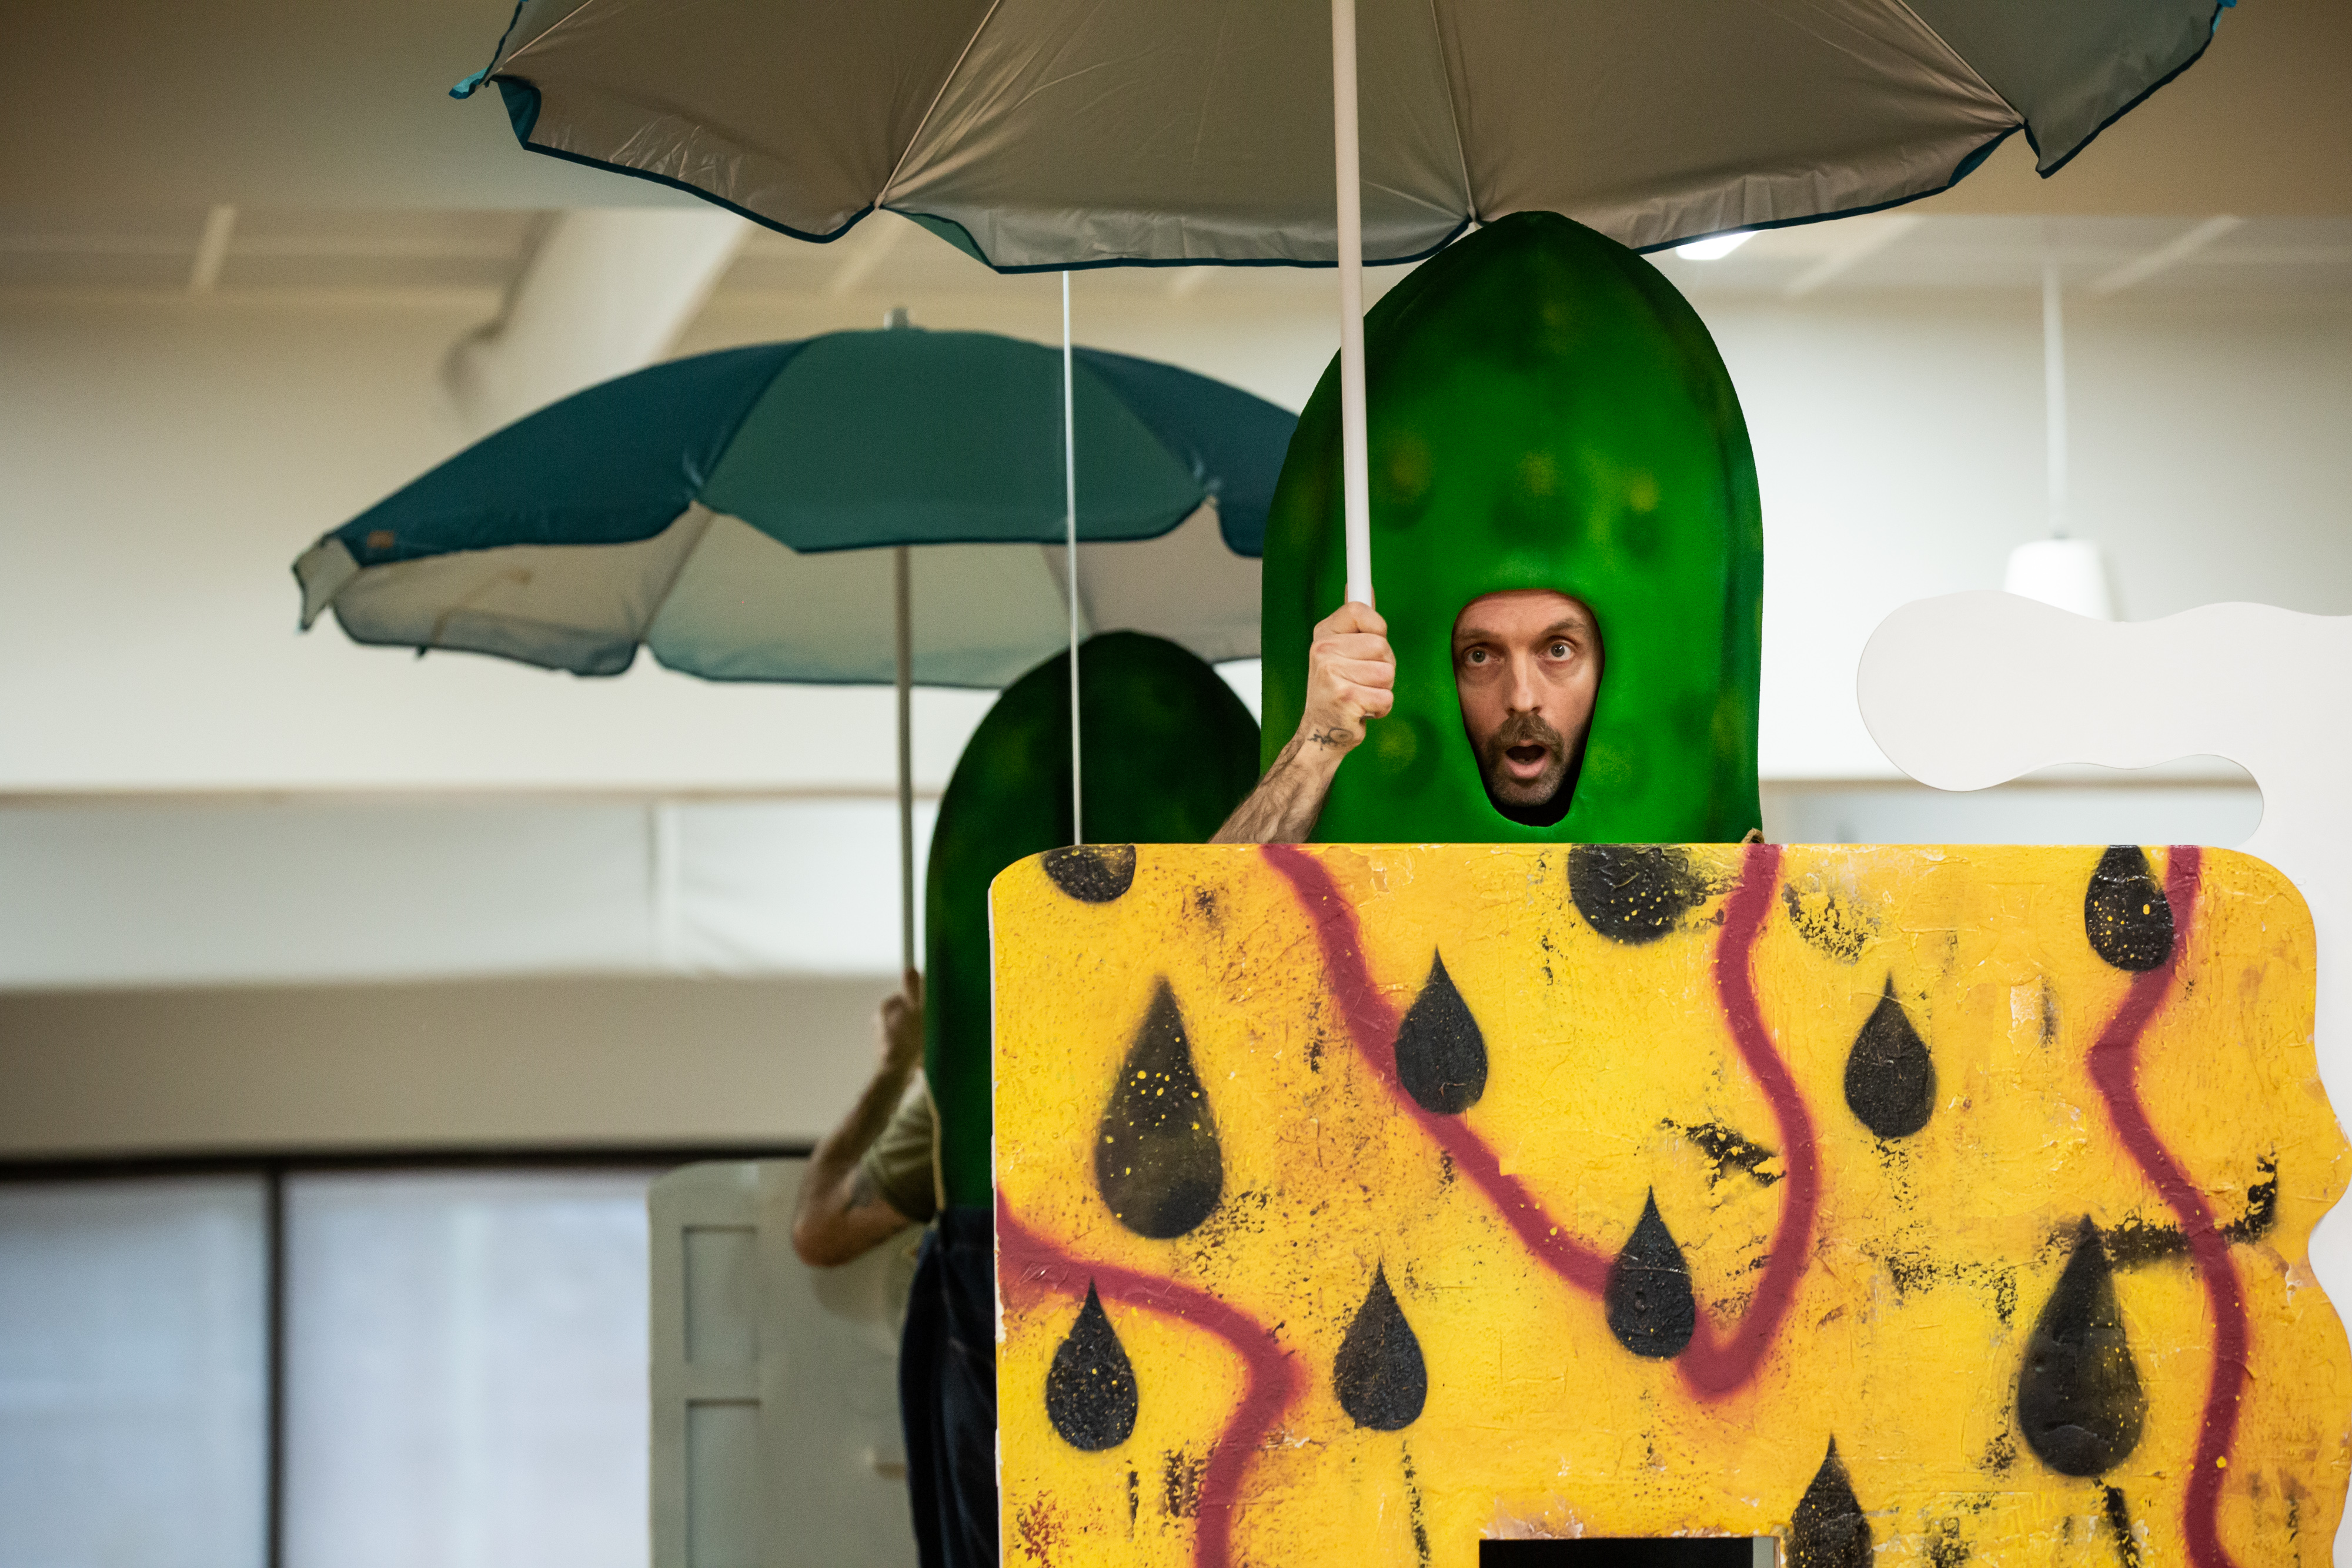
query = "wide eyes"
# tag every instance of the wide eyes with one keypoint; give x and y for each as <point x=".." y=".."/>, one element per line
<point x="1559" y="648"/>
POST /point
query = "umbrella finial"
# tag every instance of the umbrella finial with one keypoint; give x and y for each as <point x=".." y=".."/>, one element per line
<point x="895" y="318"/>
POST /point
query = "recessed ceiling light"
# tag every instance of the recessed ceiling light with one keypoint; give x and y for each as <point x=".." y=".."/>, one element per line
<point x="1715" y="248"/>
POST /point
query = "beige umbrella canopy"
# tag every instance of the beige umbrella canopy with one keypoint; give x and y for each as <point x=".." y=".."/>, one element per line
<point x="1056" y="134"/>
<point x="1064" y="133"/>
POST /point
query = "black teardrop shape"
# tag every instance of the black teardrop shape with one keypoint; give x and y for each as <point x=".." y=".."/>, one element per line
<point x="2079" y="1400"/>
<point x="1890" y="1079"/>
<point x="1827" y="1530"/>
<point x="1633" y="892"/>
<point x="2125" y="912"/>
<point x="2119" y="1520"/>
<point x="1441" y="1057"/>
<point x="1091" y="1388"/>
<point x="1380" y="1377"/>
<point x="1156" y="1156"/>
<point x="1094" y="873"/>
<point x="1651" y="1309"/>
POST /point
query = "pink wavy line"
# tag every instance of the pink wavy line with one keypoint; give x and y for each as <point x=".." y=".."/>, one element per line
<point x="1372" y="1023"/>
<point x="2114" y="1065"/>
<point x="1711" y="1366"/>
<point x="1029" y="1266"/>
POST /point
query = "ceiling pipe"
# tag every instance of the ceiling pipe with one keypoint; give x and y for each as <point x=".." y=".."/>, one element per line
<point x="608" y="290"/>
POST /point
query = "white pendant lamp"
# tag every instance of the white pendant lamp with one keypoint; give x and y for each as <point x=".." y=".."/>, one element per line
<point x="2069" y="573"/>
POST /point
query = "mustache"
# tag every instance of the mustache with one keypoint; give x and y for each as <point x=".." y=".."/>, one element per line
<point x="1528" y="729"/>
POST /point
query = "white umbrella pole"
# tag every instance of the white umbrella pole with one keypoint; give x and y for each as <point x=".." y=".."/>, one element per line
<point x="1355" y="464"/>
<point x="1070" y="553"/>
<point x="906" y="639"/>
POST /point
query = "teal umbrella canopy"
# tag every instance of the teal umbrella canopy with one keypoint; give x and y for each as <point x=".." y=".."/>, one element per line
<point x="738" y="514"/>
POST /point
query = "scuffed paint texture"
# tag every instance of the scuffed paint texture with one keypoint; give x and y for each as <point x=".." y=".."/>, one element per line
<point x="1171" y="752"/>
<point x="1864" y="1306"/>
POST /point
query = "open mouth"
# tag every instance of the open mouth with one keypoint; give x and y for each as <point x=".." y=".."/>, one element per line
<point x="1528" y="760"/>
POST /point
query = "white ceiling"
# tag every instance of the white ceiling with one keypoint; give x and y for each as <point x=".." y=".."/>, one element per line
<point x="146" y="105"/>
<point x="273" y="252"/>
<point x="318" y="142"/>
<point x="156" y="249"/>
<point x="2296" y="256"/>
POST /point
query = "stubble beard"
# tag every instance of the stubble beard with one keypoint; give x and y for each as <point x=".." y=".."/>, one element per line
<point x="1524" y="729"/>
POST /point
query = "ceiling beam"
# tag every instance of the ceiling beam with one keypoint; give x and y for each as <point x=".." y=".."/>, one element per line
<point x="1871" y="236"/>
<point x="2177" y="248"/>
<point x="212" y="249"/>
<point x="864" y="249"/>
<point x="607" y="292"/>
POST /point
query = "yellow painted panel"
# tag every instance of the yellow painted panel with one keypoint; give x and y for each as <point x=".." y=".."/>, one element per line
<point x="1985" y="1170"/>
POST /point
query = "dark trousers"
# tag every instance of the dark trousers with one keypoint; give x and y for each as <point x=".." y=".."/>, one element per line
<point x="947" y="1392"/>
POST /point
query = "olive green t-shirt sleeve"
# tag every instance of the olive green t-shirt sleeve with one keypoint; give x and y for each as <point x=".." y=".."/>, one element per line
<point x="901" y="1164"/>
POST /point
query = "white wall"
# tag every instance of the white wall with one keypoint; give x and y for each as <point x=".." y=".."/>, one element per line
<point x="161" y="461"/>
<point x="324" y="890"/>
<point x="162" y="464"/>
<point x="1899" y="449"/>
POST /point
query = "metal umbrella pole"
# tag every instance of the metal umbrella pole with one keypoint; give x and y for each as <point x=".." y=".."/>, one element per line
<point x="1354" y="463"/>
<point x="1070" y="555"/>
<point x="903" y="607"/>
<point x="902" y="574"/>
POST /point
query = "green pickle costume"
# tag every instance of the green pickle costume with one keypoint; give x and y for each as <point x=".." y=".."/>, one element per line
<point x="1170" y="751"/>
<point x="1546" y="412"/>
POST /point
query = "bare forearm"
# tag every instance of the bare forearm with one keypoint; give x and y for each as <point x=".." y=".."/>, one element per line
<point x="828" y="1191"/>
<point x="1284" y="807"/>
<point x="1350" y="680"/>
<point x="849" y="1223"/>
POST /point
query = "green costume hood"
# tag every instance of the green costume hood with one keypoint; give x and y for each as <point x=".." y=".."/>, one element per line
<point x="1546" y="412"/>
<point x="1170" y="751"/>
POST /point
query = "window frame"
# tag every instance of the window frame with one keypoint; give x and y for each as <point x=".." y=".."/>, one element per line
<point x="274" y="1170"/>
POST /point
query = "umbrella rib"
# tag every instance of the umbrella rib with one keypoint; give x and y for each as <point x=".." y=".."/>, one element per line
<point x="677" y="568"/>
<point x="932" y="108"/>
<point x="1454" y="114"/>
<point x="696" y="504"/>
<point x="1967" y="66"/>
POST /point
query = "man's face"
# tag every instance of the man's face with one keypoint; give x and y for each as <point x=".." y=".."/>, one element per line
<point x="1527" y="666"/>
